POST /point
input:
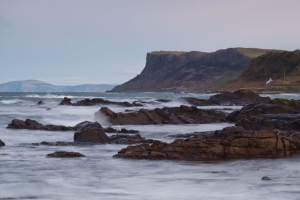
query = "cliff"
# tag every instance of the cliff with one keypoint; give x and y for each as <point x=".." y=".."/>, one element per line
<point x="190" y="71"/>
<point x="282" y="66"/>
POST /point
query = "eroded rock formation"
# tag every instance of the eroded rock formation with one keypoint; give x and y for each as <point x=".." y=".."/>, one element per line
<point x="97" y="101"/>
<point x="174" y="115"/>
<point x="229" y="143"/>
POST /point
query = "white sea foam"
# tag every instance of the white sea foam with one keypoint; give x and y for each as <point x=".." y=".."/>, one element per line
<point x="11" y="101"/>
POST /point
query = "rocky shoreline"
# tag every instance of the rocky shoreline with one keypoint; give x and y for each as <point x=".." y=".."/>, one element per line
<point x="263" y="128"/>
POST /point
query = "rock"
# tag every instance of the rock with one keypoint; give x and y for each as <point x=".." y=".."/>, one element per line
<point x="229" y="143"/>
<point x="65" y="154"/>
<point x="240" y="97"/>
<point x="265" y="178"/>
<point x="40" y="103"/>
<point x="175" y="115"/>
<point x="196" y="102"/>
<point x="88" y="125"/>
<point x="66" y="101"/>
<point x="2" y="143"/>
<point x="34" y="125"/>
<point x="97" y="101"/>
<point x="90" y="135"/>
<point x="48" y="109"/>
<point x="261" y="108"/>
<point x="129" y="139"/>
<point x="271" y="122"/>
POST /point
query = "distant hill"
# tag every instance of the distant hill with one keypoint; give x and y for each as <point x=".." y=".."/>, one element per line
<point x="282" y="66"/>
<point x="190" y="71"/>
<point x="39" y="86"/>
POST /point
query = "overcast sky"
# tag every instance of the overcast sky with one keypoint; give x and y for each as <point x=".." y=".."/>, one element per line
<point x="69" y="42"/>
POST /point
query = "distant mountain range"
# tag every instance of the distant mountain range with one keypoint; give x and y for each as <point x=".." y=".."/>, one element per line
<point x="40" y="86"/>
<point x="191" y="71"/>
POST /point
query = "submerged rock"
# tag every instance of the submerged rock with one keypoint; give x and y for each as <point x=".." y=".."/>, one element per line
<point x="97" y="101"/>
<point x="129" y="139"/>
<point x="40" y="103"/>
<point x="65" y="154"/>
<point x="229" y="143"/>
<point x="2" y="143"/>
<point x="174" y="115"/>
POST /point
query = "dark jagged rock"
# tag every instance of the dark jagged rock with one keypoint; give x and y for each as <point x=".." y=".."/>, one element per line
<point x="66" y="101"/>
<point x="65" y="154"/>
<point x="175" y="115"/>
<point x="90" y="135"/>
<point x="34" y="125"/>
<point x="129" y="139"/>
<point x="239" y="97"/>
<point x="2" y="143"/>
<point x="114" y="139"/>
<point x="97" y="101"/>
<point x="276" y="106"/>
<point x="40" y="103"/>
<point x="229" y="143"/>
<point x="88" y="125"/>
<point x="62" y="143"/>
<point x="197" y="102"/>
<point x="185" y="135"/>
<point x="271" y="121"/>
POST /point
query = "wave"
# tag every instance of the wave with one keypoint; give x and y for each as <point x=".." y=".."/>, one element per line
<point x="11" y="101"/>
<point x="51" y="96"/>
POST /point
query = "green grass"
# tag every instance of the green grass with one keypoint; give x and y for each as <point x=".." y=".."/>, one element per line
<point x="253" y="54"/>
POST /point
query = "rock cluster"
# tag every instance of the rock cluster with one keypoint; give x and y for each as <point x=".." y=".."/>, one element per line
<point x="238" y="98"/>
<point x="277" y="114"/>
<point x="65" y="154"/>
<point x="34" y="125"/>
<point x="97" y="101"/>
<point x="229" y="143"/>
<point x="174" y="115"/>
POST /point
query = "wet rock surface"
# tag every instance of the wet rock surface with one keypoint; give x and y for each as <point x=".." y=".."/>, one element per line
<point x="97" y="101"/>
<point x="34" y="125"/>
<point x="174" y="115"/>
<point x="90" y="135"/>
<point x="238" y="98"/>
<point x="2" y="143"/>
<point x="65" y="154"/>
<point x="88" y="139"/>
<point x="277" y="114"/>
<point x="229" y="143"/>
<point x="129" y="139"/>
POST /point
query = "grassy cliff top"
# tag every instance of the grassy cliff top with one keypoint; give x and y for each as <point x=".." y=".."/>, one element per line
<point x="254" y="52"/>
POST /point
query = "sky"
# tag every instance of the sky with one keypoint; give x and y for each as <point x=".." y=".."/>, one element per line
<point x="72" y="42"/>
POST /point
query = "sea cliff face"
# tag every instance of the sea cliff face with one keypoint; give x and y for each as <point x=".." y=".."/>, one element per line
<point x="189" y="71"/>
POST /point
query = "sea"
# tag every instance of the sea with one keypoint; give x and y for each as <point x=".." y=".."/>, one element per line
<point x="27" y="173"/>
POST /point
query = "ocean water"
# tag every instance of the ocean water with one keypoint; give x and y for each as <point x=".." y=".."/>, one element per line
<point x="26" y="172"/>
